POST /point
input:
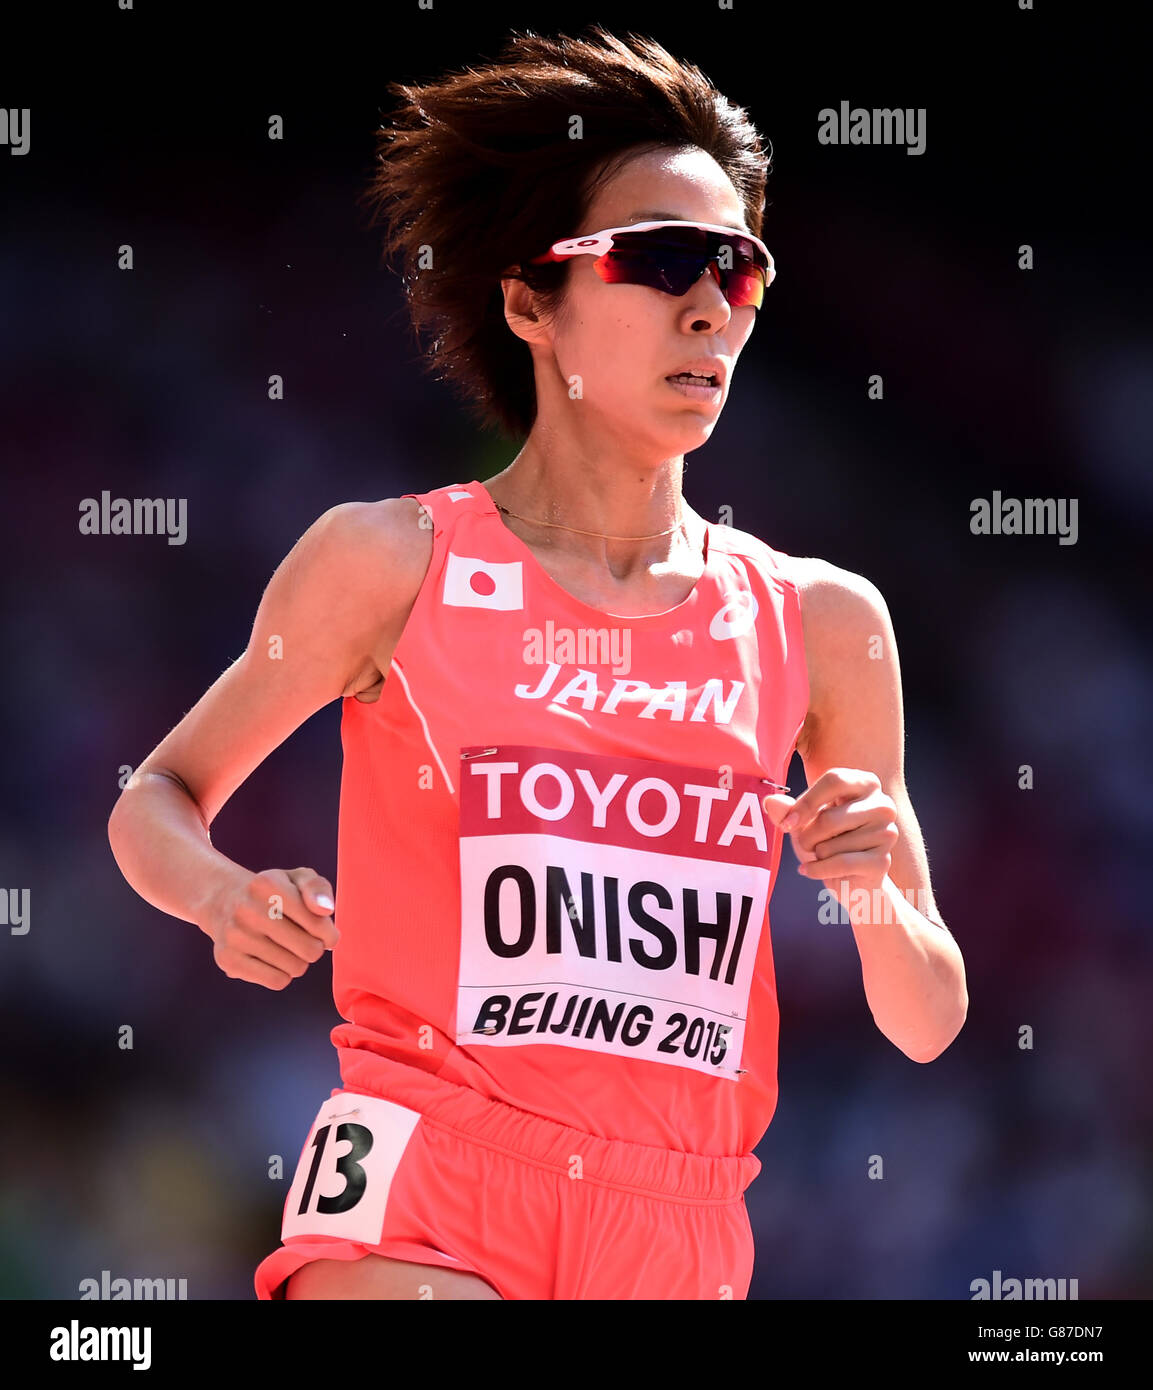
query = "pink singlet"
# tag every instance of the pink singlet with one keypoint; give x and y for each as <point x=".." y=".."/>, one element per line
<point x="553" y="877"/>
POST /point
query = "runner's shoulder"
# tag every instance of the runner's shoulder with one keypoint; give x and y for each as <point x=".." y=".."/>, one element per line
<point x="807" y="573"/>
<point x="832" y="595"/>
<point x="829" y="594"/>
<point x="380" y="545"/>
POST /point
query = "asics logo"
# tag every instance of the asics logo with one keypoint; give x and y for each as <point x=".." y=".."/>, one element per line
<point x="736" y="617"/>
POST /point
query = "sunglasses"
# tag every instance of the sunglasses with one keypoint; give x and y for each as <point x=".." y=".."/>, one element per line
<point x="672" y="257"/>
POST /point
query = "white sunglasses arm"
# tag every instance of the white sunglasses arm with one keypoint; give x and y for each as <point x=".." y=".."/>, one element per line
<point x="597" y="243"/>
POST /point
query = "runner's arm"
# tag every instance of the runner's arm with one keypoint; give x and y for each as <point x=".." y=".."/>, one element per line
<point x="912" y="968"/>
<point x="336" y="604"/>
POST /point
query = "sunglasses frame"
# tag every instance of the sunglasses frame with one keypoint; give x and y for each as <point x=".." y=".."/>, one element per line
<point x="599" y="243"/>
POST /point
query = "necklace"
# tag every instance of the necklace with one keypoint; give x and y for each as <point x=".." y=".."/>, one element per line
<point x="577" y="529"/>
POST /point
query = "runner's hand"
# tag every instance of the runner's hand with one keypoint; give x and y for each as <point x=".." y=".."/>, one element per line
<point x="844" y="828"/>
<point x="269" y="927"/>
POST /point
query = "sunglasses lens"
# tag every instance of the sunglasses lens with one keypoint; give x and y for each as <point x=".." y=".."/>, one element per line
<point x="746" y="285"/>
<point x="673" y="259"/>
<point x="658" y="268"/>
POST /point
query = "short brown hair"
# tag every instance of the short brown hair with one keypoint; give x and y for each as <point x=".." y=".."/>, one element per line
<point x="477" y="167"/>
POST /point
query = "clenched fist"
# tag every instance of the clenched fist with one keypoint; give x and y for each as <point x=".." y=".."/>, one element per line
<point x="269" y="927"/>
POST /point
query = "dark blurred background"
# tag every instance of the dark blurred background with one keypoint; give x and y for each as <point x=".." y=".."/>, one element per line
<point x="252" y="257"/>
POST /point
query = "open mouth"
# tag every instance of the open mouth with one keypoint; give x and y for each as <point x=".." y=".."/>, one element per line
<point x="694" y="378"/>
<point x="704" y="387"/>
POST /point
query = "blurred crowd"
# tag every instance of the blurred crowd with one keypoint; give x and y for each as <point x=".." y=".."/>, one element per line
<point x="154" y="1160"/>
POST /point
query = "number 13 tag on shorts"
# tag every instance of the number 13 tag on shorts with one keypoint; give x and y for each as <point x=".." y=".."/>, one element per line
<point x="345" y="1172"/>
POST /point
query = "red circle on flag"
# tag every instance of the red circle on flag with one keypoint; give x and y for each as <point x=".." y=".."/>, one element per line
<point x="482" y="583"/>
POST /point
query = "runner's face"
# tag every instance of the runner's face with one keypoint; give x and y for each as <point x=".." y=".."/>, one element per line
<point x="623" y="341"/>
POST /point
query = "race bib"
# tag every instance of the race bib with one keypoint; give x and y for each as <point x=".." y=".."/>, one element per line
<point x="346" y="1169"/>
<point x="607" y="903"/>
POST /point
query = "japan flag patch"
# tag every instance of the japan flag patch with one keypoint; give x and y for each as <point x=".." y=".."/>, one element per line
<point x="472" y="583"/>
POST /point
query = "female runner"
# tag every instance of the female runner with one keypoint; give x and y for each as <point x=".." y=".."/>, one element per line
<point x="569" y="708"/>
